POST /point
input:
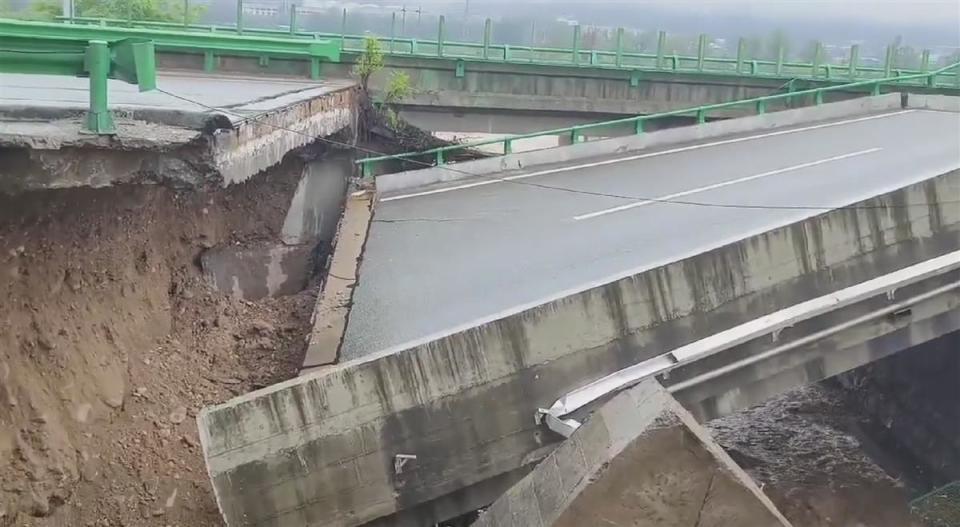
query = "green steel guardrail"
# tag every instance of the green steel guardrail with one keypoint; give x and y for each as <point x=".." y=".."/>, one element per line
<point x="210" y="45"/>
<point x="575" y="133"/>
<point x="620" y="59"/>
<point x="131" y="60"/>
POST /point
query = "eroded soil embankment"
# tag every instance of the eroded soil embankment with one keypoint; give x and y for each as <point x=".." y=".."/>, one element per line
<point x="111" y="341"/>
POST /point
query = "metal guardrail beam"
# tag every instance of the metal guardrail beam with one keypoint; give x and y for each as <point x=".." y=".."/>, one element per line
<point x="728" y="339"/>
<point x="759" y="104"/>
<point x="172" y="38"/>
<point x="618" y="58"/>
<point x="130" y="60"/>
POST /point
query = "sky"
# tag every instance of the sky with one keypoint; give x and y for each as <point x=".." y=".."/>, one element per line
<point x="887" y="11"/>
<point x="914" y="16"/>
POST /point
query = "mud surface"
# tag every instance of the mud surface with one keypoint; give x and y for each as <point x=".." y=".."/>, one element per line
<point x="112" y="341"/>
<point x="805" y="449"/>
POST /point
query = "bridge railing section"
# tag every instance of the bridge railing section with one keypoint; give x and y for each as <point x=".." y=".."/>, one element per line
<point x="80" y="54"/>
<point x="439" y="156"/>
<point x="742" y="64"/>
<point x="205" y="47"/>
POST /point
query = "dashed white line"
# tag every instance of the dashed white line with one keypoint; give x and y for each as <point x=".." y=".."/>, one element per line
<point x="723" y="184"/>
<point x="571" y="168"/>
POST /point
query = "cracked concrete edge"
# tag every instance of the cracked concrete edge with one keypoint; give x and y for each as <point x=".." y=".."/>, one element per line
<point x="332" y="309"/>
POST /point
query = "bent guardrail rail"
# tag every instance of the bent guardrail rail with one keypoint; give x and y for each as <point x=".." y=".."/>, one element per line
<point x="575" y="133"/>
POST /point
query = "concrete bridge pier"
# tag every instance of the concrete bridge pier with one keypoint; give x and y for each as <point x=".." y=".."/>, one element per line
<point x="640" y="459"/>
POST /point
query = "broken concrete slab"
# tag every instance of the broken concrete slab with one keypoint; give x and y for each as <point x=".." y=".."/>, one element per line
<point x="640" y="459"/>
<point x="323" y="447"/>
<point x="216" y="130"/>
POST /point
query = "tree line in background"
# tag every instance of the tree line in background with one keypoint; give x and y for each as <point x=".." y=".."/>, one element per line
<point x="513" y="31"/>
<point x="157" y="10"/>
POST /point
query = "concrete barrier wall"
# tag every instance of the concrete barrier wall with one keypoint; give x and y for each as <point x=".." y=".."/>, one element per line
<point x="640" y="459"/>
<point x="943" y="103"/>
<point x="322" y="449"/>
<point x="528" y="160"/>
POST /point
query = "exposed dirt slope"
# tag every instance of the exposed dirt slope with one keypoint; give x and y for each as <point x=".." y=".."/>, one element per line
<point x="111" y="342"/>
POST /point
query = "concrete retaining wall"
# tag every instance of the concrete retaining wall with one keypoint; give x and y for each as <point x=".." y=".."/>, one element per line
<point x="640" y="459"/>
<point x="322" y="449"/>
<point x="504" y="164"/>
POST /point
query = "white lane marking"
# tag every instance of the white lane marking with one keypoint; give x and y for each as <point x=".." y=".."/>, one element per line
<point x="723" y="184"/>
<point x="639" y="156"/>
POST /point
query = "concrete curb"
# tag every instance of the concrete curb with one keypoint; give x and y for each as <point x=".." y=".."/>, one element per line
<point x="332" y="309"/>
<point x="390" y="183"/>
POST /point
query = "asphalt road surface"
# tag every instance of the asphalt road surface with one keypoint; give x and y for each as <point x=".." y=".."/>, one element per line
<point x="441" y="260"/>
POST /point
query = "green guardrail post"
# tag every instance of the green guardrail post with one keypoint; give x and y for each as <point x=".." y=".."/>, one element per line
<point x="888" y="61"/>
<point x="661" y="48"/>
<point x="576" y="44"/>
<point x="99" y="120"/>
<point x="635" y="78"/>
<point x="413" y="46"/>
<point x="507" y="146"/>
<point x="240" y="17"/>
<point x="638" y="126"/>
<point x="925" y="61"/>
<point x="817" y="58"/>
<point x="441" y="30"/>
<point x="293" y="19"/>
<point x="209" y="61"/>
<point x="761" y="106"/>
<point x="619" y="59"/>
<point x="854" y="61"/>
<point x="366" y="169"/>
<point x="314" y="68"/>
<point x="487" y="33"/>
<point x="780" y="53"/>
<point x="701" y="51"/>
<point x="701" y="116"/>
<point x="741" y="51"/>
<point x="876" y="89"/>
<point x="440" y="158"/>
<point x="574" y="136"/>
<point x="818" y="97"/>
<point x="506" y="52"/>
<point x="393" y="30"/>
